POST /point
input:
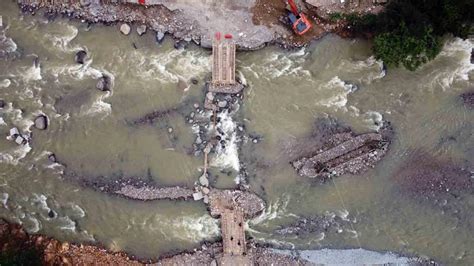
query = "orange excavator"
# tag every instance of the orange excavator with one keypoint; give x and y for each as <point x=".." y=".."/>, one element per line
<point x="299" y="21"/>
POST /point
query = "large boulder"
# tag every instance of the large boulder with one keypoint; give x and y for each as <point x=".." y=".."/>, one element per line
<point x="80" y="57"/>
<point x="125" y="29"/>
<point x="41" y="122"/>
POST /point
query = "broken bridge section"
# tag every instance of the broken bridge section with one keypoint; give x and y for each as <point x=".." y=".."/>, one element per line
<point x="223" y="65"/>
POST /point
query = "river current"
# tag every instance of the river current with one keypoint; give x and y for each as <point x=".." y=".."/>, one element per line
<point x="92" y="135"/>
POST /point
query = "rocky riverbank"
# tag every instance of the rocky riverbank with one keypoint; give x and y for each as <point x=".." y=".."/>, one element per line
<point x="252" y="23"/>
<point x="20" y="248"/>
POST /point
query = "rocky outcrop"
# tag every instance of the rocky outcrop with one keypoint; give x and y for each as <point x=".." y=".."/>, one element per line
<point x="345" y="152"/>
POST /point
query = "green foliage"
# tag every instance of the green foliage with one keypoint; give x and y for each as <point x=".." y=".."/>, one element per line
<point x="25" y="257"/>
<point x="408" y="32"/>
<point x="401" y="47"/>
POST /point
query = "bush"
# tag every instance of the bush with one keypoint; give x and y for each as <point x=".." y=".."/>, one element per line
<point x="408" y="32"/>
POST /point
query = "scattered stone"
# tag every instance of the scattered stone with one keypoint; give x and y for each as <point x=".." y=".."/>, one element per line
<point x="160" y="36"/>
<point x="210" y="96"/>
<point x="80" y="57"/>
<point x="14" y="132"/>
<point x="198" y="196"/>
<point x="125" y="29"/>
<point x="170" y="130"/>
<point x="41" y="122"/>
<point x="204" y="181"/>
<point x="179" y="45"/>
<point x="52" y="158"/>
<point x="198" y="140"/>
<point x="205" y="190"/>
<point x="104" y="83"/>
<point x="141" y="30"/>
<point x="255" y="141"/>
<point x="222" y="104"/>
<point x="196" y="105"/>
<point x="206" y="199"/>
<point x="20" y="140"/>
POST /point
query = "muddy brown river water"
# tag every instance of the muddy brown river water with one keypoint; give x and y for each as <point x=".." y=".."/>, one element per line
<point x="92" y="134"/>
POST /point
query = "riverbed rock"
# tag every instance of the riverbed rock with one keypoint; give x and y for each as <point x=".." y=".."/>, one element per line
<point x="203" y="180"/>
<point x="198" y="196"/>
<point x="80" y="57"/>
<point x="125" y="29"/>
<point x="20" y="140"/>
<point x="52" y="158"/>
<point x="141" y="30"/>
<point x="14" y="132"/>
<point x="468" y="99"/>
<point x="41" y="122"/>
<point x="104" y="83"/>
<point x="160" y="36"/>
<point x="222" y="104"/>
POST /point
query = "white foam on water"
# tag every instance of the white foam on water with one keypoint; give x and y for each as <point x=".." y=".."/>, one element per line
<point x="5" y="83"/>
<point x="274" y="210"/>
<point x="76" y="211"/>
<point x="460" y="50"/>
<point x="98" y="107"/>
<point x="14" y="155"/>
<point x="189" y="228"/>
<point x="280" y="64"/>
<point x="66" y="223"/>
<point x="7" y="45"/>
<point x="374" y="120"/>
<point x="40" y="201"/>
<point x="228" y="157"/>
<point x="32" y="73"/>
<point x="171" y="66"/>
<point x="340" y="91"/>
<point x="62" y="40"/>
<point x="31" y="224"/>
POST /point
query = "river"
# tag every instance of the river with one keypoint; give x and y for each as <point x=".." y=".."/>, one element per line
<point x="92" y="135"/>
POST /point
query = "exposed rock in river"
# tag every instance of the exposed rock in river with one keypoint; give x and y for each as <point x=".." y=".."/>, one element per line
<point x="468" y="99"/>
<point x="104" y="83"/>
<point x="424" y="176"/>
<point x="314" y="225"/>
<point x="80" y="57"/>
<point x="342" y="151"/>
<point x="125" y="29"/>
<point x="41" y="122"/>
<point x="141" y="30"/>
